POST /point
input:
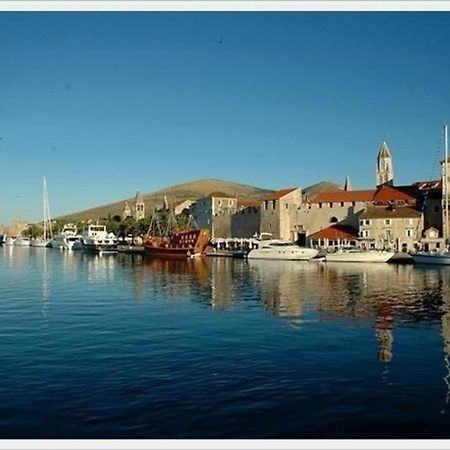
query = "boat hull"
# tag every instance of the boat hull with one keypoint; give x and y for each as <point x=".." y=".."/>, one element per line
<point x="431" y="258"/>
<point x="291" y="254"/>
<point x="99" y="248"/>
<point x="181" y="245"/>
<point x="360" y="257"/>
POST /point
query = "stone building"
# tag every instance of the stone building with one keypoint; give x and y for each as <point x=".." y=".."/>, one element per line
<point x="278" y="214"/>
<point x="214" y="213"/>
<point x="393" y="227"/>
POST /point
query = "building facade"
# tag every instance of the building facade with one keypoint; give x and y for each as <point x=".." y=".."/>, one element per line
<point x="393" y="227"/>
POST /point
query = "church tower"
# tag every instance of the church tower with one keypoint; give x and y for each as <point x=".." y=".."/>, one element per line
<point x="139" y="206"/>
<point x="385" y="170"/>
<point x="127" y="211"/>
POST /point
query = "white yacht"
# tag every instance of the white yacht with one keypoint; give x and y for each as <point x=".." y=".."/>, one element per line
<point x="279" y="249"/>
<point x="9" y="240"/>
<point x="22" y="241"/>
<point x="67" y="238"/>
<point x="96" y="240"/>
<point x="359" y="255"/>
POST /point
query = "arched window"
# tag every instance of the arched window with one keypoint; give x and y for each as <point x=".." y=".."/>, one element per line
<point x="334" y="220"/>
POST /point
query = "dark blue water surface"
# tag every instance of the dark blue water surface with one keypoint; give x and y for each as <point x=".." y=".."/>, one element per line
<point x="121" y="347"/>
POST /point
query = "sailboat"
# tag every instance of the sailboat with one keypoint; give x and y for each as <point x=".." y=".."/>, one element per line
<point x="46" y="240"/>
<point x="442" y="257"/>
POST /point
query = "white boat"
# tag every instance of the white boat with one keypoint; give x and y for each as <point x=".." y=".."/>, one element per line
<point x="22" y="241"/>
<point x="97" y="240"/>
<point x="442" y="257"/>
<point x="67" y="238"/>
<point x="279" y="249"/>
<point x="46" y="240"/>
<point x="9" y="240"/>
<point x="358" y="255"/>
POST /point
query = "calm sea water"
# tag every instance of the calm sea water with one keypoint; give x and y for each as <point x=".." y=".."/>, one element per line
<point x="120" y="347"/>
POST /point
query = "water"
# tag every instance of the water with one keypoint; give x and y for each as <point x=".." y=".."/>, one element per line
<point x="119" y="347"/>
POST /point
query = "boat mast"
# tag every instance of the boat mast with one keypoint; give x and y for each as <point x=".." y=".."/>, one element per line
<point x="44" y="188"/>
<point x="445" y="189"/>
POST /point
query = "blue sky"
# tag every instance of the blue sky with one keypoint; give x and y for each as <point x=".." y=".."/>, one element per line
<point x="105" y="103"/>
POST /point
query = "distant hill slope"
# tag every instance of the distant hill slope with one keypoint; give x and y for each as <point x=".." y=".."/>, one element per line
<point x="192" y="190"/>
<point x="318" y="188"/>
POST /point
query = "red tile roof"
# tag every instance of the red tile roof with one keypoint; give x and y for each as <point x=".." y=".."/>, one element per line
<point x="241" y="203"/>
<point x="342" y="232"/>
<point x="385" y="194"/>
<point x="344" y="196"/>
<point x="399" y="212"/>
<point x="279" y="194"/>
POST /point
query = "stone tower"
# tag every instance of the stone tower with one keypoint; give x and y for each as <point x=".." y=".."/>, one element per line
<point x="347" y="185"/>
<point x="385" y="170"/>
<point x="139" y="206"/>
<point x="127" y="211"/>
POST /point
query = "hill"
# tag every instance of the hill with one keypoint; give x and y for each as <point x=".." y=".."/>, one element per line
<point x="192" y="190"/>
<point x="318" y="188"/>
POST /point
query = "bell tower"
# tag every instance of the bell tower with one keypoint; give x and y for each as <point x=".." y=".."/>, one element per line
<point x="139" y="206"/>
<point x="385" y="170"/>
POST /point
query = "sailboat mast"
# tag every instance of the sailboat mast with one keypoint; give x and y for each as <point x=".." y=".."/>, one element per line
<point x="445" y="188"/>
<point x="44" y="188"/>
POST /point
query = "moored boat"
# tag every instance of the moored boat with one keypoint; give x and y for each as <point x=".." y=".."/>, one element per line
<point x="67" y="238"/>
<point x="442" y="258"/>
<point x="97" y="240"/>
<point x="180" y="245"/>
<point x="358" y="255"/>
<point x="279" y="249"/>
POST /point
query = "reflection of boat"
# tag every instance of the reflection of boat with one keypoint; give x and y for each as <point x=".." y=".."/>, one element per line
<point x="179" y="245"/>
<point x="46" y="240"/>
<point x="67" y="238"/>
<point x="278" y="249"/>
<point x="359" y="255"/>
<point x="96" y="240"/>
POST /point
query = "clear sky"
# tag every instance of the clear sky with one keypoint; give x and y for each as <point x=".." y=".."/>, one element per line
<point x="105" y="103"/>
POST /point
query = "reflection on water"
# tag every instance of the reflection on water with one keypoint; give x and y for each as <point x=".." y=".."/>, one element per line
<point x="176" y="344"/>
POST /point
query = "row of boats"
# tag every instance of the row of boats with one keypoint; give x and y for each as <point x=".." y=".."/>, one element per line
<point x="195" y="243"/>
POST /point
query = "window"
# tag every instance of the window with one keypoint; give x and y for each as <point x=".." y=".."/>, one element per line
<point x="287" y="205"/>
<point x="266" y="204"/>
<point x="342" y="203"/>
<point x="409" y="232"/>
<point x="334" y="220"/>
<point x="274" y="203"/>
<point x="320" y="205"/>
<point x="361" y="223"/>
<point x="387" y="221"/>
<point x="353" y="204"/>
<point x="367" y="222"/>
<point x="219" y="202"/>
<point x="230" y="202"/>
<point x="331" y="205"/>
<point x="365" y="233"/>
